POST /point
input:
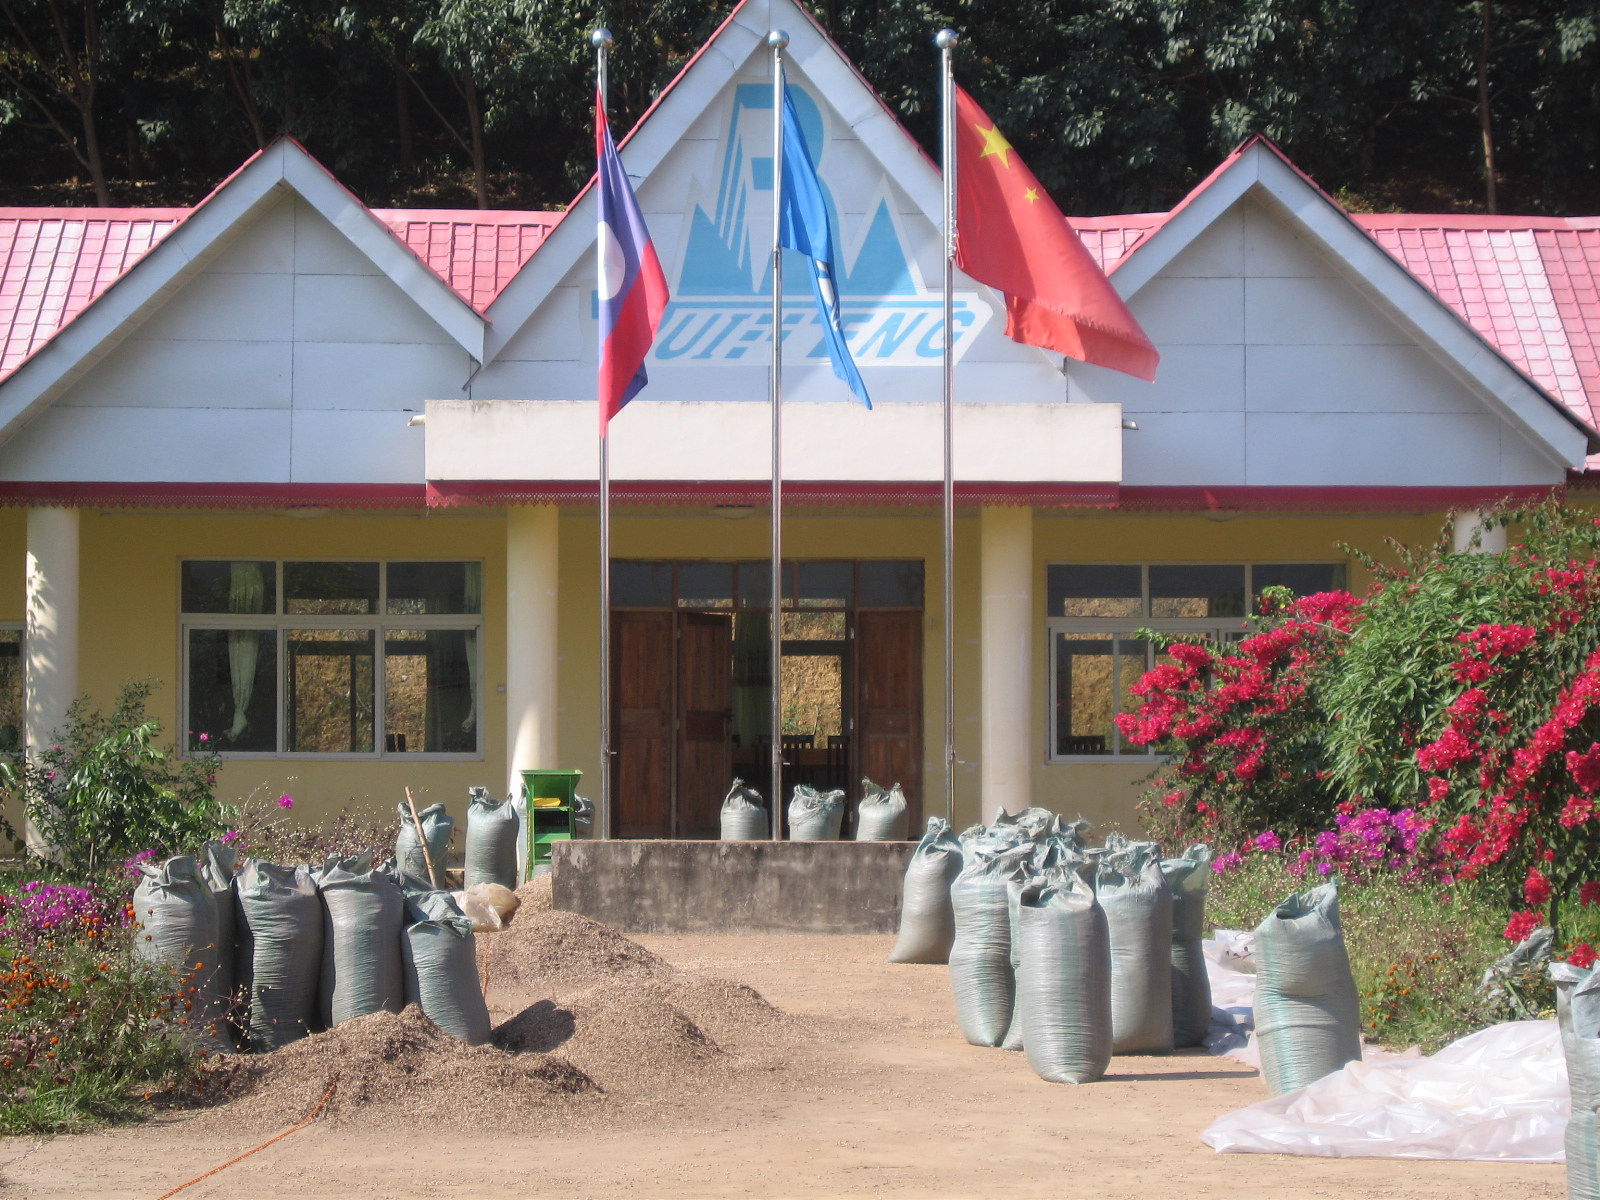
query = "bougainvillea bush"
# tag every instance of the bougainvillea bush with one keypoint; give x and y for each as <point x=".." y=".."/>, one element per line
<point x="1444" y="727"/>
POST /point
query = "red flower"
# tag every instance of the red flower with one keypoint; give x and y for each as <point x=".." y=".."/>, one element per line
<point x="1585" y="768"/>
<point x="1589" y="894"/>
<point x="1438" y="789"/>
<point x="1536" y="888"/>
<point x="1173" y="799"/>
<point x="1582" y="956"/>
<point x="1521" y="925"/>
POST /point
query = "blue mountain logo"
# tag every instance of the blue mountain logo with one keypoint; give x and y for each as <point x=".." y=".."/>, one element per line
<point x="721" y="306"/>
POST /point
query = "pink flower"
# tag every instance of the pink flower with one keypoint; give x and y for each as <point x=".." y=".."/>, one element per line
<point x="1585" y="768"/>
<point x="1438" y="789"/>
<point x="1589" y="894"/>
<point x="1226" y="862"/>
<point x="204" y="738"/>
<point x="1521" y="925"/>
<point x="1269" y="841"/>
<point x="230" y="837"/>
<point x="1536" y="888"/>
<point x="285" y="801"/>
<point x="1582" y="956"/>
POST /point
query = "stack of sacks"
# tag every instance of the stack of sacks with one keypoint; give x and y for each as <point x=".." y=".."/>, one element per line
<point x="287" y="951"/>
<point x="1062" y="951"/>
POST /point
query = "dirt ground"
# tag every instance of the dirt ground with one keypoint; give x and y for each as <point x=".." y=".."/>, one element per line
<point x="873" y="1094"/>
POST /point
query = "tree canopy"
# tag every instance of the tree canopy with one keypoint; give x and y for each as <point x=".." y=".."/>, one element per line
<point x="1118" y="105"/>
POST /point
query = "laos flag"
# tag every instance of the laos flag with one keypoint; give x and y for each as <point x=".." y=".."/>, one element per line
<point x="632" y="289"/>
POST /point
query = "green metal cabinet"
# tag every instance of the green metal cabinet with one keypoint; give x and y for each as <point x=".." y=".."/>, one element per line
<point x="549" y="823"/>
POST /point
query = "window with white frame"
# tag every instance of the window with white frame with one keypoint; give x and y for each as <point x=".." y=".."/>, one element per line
<point x="1094" y="611"/>
<point x="347" y="659"/>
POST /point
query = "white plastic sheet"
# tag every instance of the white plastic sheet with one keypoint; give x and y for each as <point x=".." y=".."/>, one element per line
<point x="1497" y="1095"/>
<point x="1233" y="996"/>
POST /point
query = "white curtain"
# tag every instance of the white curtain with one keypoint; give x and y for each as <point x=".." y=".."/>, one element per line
<point x="247" y="593"/>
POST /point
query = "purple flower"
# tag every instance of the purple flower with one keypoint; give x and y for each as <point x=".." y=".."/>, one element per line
<point x="51" y="910"/>
<point x="285" y="801"/>
<point x="131" y="867"/>
<point x="230" y="837"/>
<point x="1226" y="862"/>
<point x="1269" y="841"/>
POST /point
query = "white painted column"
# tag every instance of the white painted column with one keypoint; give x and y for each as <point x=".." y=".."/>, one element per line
<point x="50" y="641"/>
<point x="1470" y="522"/>
<point x="532" y="568"/>
<point x="1007" y="652"/>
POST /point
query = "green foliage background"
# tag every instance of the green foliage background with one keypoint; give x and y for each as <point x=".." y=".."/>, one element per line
<point x="1118" y="105"/>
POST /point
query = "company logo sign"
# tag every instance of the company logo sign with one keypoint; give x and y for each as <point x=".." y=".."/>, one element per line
<point x="721" y="310"/>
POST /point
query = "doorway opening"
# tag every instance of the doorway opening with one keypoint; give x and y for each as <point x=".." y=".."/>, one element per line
<point x="691" y="681"/>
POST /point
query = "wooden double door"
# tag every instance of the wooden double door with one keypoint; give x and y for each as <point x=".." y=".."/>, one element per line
<point x="672" y="683"/>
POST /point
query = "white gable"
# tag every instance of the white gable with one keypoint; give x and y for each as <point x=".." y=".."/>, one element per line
<point x="1294" y="352"/>
<point x="289" y="357"/>
<point x="703" y="175"/>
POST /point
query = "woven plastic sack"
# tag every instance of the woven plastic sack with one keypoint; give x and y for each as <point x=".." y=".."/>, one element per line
<point x="219" y="863"/>
<point x="279" y="959"/>
<point x="881" y="816"/>
<point x="491" y="855"/>
<point x="927" y="921"/>
<point x="1188" y="878"/>
<point x="437" y="827"/>
<point x="1578" y="1012"/>
<point x="1064" y="979"/>
<point x="440" y="960"/>
<point x="1307" y="1012"/>
<point x="815" y="816"/>
<point x="981" y="975"/>
<point x="744" y="815"/>
<point x="363" y="912"/>
<point x="1138" y="908"/>
<point x="178" y="914"/>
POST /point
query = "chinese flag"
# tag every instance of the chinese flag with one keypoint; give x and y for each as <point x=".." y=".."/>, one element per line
<point x="1011" y="236"/>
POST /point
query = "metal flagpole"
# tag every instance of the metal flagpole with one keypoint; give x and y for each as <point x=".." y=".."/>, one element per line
<point x="946" y="41"/>
<point x="777" y="39"/>
<point x="601" y="40"/>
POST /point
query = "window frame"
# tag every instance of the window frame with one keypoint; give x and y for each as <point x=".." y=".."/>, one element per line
<point x="1212" y="628"/>
<point x="379" y="623"/>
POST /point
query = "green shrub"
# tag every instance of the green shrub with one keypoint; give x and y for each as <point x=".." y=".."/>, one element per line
<point x="106" y="791"/>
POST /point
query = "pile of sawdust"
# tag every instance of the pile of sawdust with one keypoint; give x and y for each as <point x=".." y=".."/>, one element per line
<point x="393" y="1068"/>
<point x="535" y="894"/>
<point x="559" y="952"/>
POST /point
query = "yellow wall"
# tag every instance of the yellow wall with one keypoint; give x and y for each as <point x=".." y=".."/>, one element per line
<point x="130" y="620"/>
<point x="129" y="631"/>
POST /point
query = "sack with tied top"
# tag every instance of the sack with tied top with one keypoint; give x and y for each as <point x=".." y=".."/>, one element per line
<point x="744" y="815"/>
<point x="927" y="920"/>
<point x="881" y="815"/>
<point x="491" y="853"/>
<point x="1138" y="905"/>
<point x="362" y="914"/>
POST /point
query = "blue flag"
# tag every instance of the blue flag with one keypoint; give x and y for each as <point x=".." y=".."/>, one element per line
<point x="803" y="227"/>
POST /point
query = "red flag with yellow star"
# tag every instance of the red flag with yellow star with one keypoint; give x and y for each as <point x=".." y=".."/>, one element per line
<point x="1011" y="236"/>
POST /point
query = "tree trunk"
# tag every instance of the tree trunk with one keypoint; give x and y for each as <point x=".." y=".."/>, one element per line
<point x="91" y="151"/>
<point x="480" y="168"/>
<point x="402" y="120"/>
<point x="1484" y="125"/>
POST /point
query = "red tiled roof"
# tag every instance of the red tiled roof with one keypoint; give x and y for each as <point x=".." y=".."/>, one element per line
<point x="476" y="252"/>
<point x="53" y="261"/>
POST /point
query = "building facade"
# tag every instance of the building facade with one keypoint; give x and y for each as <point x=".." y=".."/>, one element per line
<point x="327" y="475"/>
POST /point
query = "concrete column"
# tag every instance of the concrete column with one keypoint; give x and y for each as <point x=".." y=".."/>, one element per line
<point x="1470" y="522"/>
<point x="50" y="641"/>
<point x="532" y="570"/>
<point x="1007" y="653"/>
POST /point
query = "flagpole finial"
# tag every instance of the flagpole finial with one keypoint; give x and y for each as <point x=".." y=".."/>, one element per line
<point x="946" y="39"/>
<point x="777" y="39"/>
<point x="601" y="39"/>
